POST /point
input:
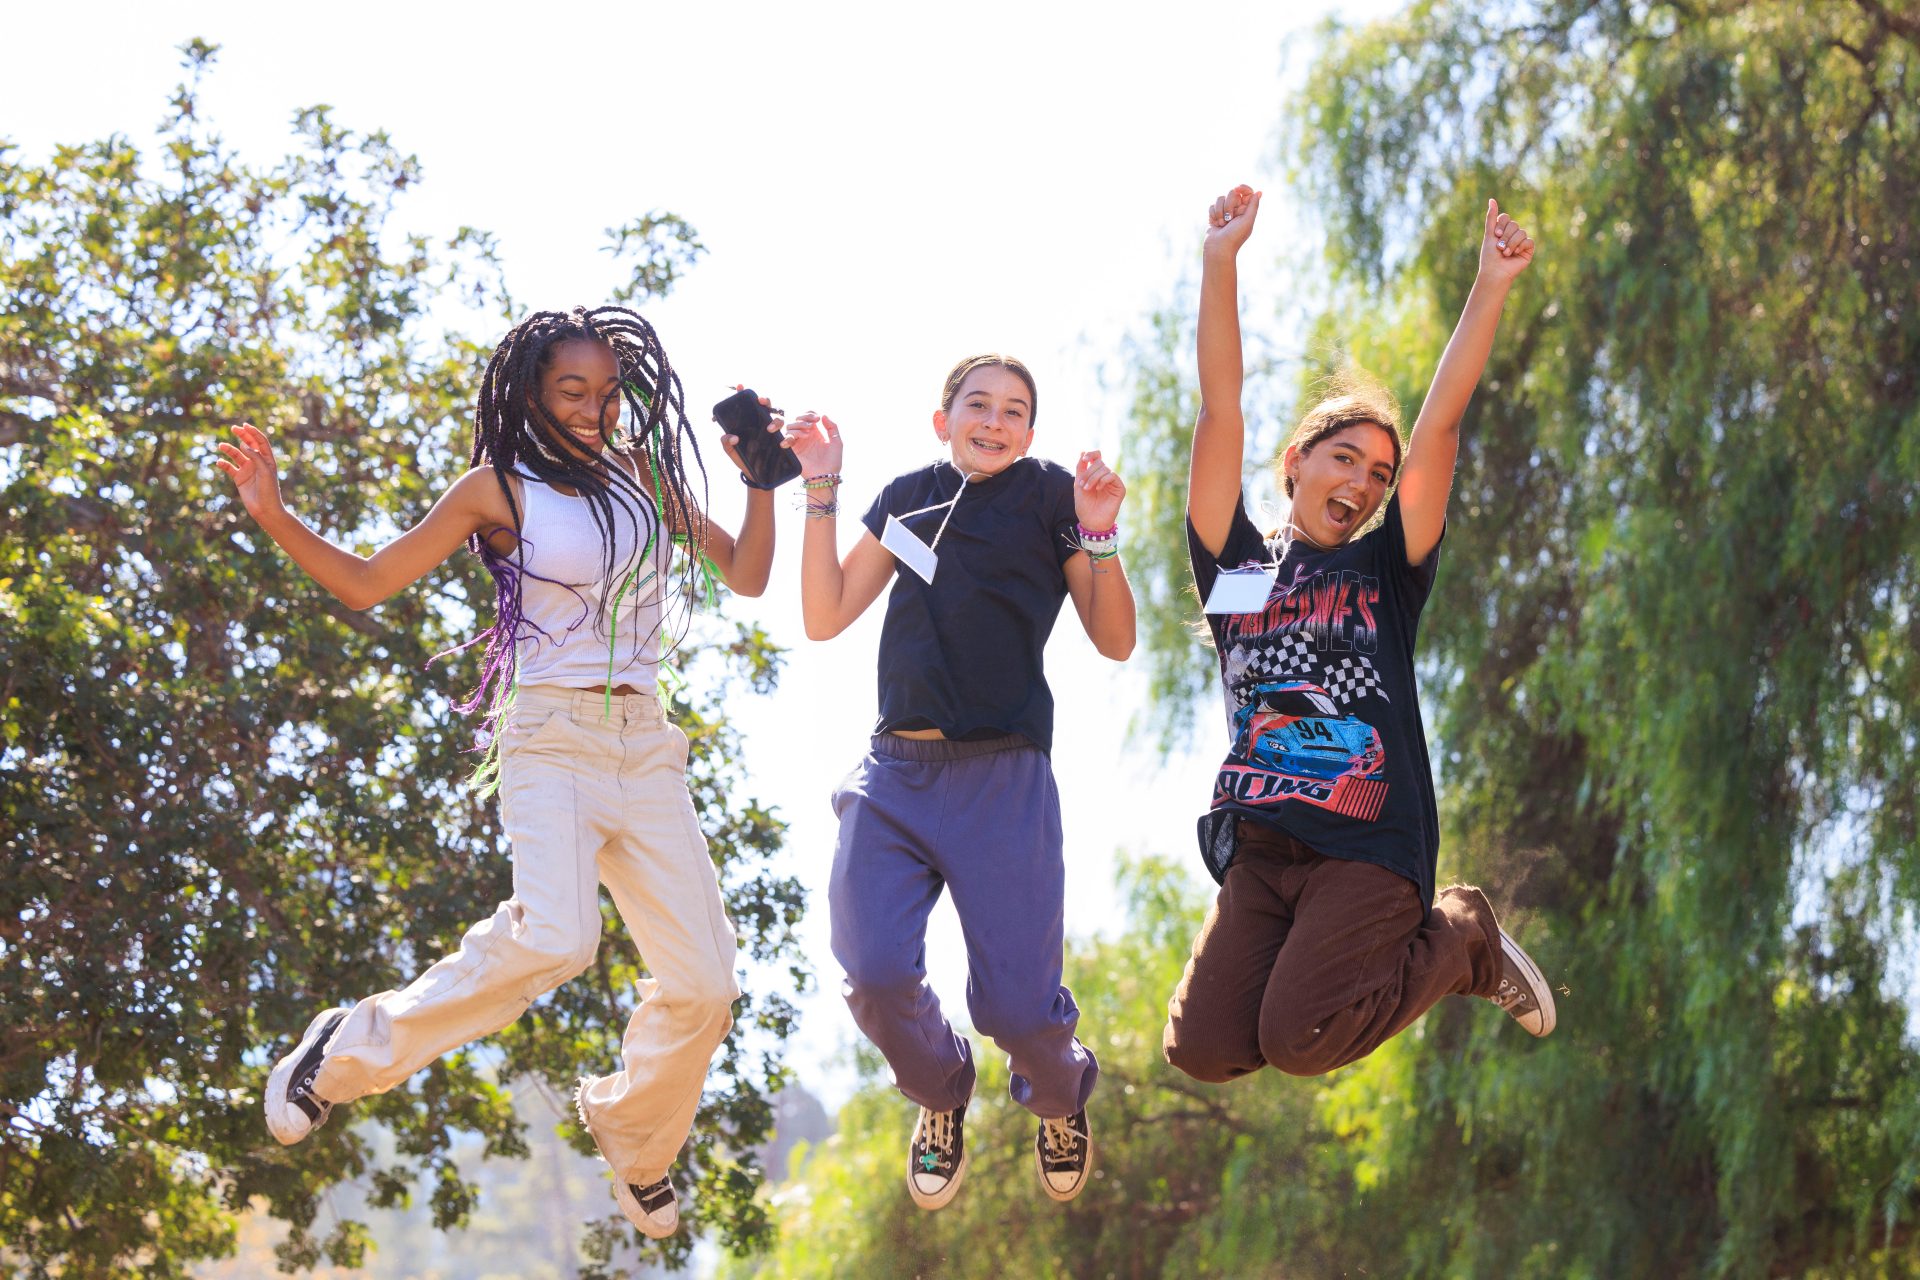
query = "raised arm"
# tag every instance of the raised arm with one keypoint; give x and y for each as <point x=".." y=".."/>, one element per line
<point x="473" y="504"/>
<point x="1219" y="434"/>
<point x="1102" y="596"/>
<point x="744" y="563"/>
<point x="833" y="592"/>
<point x="1427" y="477"/>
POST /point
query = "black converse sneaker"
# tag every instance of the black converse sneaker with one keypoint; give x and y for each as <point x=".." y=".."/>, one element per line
<point x="937" y="1157"/>
<point x="654" y="1208"/>
<point x="294" y="1110"/>
<point x="1063" y="1152"/>
<point x="1523" y="990"/>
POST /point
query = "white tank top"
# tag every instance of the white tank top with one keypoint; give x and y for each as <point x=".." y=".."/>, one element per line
<point x="571" y="633"/>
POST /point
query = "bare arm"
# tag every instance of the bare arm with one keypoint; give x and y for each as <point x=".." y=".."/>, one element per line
<point x="833" y="592"/>
<point x="1427" y="477"/>
<point x="1219" y="434"/>
<point x="1102" y="596"/>
<point x="746" y="562"/>
<point x="473" y="504"/>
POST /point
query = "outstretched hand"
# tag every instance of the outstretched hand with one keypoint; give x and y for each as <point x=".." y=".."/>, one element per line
<point x="815" y="440"/>
<point x="1097" y="492"/>
<point x="250" y="463"/>
<point x="1230" y="220"/>
<point x="1505" y="249"/>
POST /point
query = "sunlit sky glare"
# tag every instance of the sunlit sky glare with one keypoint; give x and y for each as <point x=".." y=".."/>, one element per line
<point x="882" y="189"/>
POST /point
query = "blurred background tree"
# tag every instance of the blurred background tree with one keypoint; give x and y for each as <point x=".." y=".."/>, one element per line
<point x="228" y="799"/>
<point x="1672" y="669"/>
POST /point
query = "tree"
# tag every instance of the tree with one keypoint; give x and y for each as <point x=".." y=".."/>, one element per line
<point x="1157" y="1204"/>
<point x="1671" y="663"/>
<point x="229" y="799"/>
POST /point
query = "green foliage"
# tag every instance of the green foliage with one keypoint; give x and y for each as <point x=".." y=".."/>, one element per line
<point x="667" y="248"/>
<point x="1155" y="1206"/>
<point x="1671" y="663"/>
<point x="1163" y="401"/>
<point x="229" y="799"/>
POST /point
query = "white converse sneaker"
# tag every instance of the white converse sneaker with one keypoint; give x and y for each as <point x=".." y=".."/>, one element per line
<point x="294" y="1110"/>
<point x="1523" y="990"/>
<point x="654" y="1208"/>
<point x="1063" y="1152"/>
<point x="937" y="1156"/>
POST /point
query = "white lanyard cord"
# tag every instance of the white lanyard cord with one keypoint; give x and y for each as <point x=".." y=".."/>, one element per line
<point x="950" y="504"/>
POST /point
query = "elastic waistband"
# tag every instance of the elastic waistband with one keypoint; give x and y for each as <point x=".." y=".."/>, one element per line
<point x="583" y="704"/>
<point x="936" y="750"/>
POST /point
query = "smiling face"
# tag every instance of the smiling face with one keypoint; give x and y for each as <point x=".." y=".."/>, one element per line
<point x="580" y="387"/>
<point x="1340" y="480"/>
<point x="989" y="425"/>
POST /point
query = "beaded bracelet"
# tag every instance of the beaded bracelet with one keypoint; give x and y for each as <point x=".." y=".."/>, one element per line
<point x="1099" y="545"/>
<point x="825" y="480"/>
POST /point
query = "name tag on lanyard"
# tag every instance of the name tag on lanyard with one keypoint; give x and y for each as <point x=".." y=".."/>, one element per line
<point x="1242" y="590"/>
<point x="909" y="550"/>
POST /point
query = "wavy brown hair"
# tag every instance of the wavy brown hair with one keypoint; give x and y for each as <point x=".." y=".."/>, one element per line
<point x="1349" y="398"/>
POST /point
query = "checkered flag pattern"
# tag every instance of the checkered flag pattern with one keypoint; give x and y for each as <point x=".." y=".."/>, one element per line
<point x="1348" y="680"/>
<point x="1289" y="655"/>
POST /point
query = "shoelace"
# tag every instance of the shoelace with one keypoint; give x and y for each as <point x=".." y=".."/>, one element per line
<point x="936" y="1131"/>
<point x="1510" y="994"/>
<point x="303" y="1097"/>
<point x="1060" y="1138"/>
<point x="654" y="1196"/>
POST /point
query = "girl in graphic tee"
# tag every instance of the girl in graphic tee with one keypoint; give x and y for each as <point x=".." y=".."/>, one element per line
<point x="957" y="791"/>
<point x="594" y="537"/>
<point x="1322" y="828"/>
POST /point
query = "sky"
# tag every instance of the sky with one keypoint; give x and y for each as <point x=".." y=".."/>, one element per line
<point x="882" y="190"/>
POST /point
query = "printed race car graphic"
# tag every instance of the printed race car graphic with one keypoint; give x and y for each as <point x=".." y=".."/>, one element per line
<point x="1290" y="742"/>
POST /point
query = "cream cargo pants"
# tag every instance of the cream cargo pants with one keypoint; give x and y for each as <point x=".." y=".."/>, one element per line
<point x="587" y="799"/>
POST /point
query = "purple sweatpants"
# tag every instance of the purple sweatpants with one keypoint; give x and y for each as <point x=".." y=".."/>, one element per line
<point x="981" y="819"/>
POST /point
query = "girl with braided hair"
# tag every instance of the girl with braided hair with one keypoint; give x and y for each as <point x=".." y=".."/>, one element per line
<point x="595" y="532"/>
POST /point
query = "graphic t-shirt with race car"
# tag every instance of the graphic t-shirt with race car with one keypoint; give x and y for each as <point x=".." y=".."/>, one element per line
<point x="1327" y="742"/>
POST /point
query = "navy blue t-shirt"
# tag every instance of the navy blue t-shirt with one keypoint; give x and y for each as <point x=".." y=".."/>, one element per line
<point x="1327" y="742"/>
<point x="962" y="654"/>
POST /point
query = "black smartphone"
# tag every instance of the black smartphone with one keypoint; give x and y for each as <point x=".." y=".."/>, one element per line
<point x="743" y="416"/>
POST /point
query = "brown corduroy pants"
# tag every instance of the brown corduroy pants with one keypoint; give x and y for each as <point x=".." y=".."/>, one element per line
<point x="1307" y="963"/>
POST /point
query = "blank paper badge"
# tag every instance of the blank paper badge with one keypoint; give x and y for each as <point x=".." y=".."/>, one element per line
<point x="1242" y="590"/>
<point x="909" y="550"/>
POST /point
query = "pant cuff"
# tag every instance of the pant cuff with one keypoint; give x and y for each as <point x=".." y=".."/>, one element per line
<point x="1465" y="909"/>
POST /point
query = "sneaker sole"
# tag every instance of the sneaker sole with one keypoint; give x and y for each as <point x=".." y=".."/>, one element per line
<point x="287" y="1123"/>
<point x="1062" y="1197"/>
<point x="1543" y="994"/>
<point x="945" y="1194"/>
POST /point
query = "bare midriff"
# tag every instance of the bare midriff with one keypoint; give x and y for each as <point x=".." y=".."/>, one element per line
<point x="918" y="735"/>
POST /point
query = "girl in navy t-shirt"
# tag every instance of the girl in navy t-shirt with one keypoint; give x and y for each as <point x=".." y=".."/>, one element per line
<point x="1322" y="828"/>
<point x="981" y="549"/>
